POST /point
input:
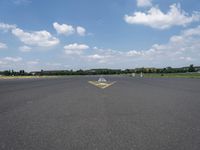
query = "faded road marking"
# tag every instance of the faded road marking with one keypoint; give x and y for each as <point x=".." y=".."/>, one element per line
<point x="101" y="85"/>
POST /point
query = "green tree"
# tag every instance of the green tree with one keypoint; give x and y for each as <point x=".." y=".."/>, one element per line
<point x="191" y="68"/>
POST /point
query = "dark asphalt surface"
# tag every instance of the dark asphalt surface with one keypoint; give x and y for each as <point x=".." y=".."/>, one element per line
<point x="71" y="114"/>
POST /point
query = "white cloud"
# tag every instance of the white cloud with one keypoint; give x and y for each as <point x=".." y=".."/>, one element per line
<point x="63" y="28"/>
<point x="96" y="56"/>
<point x="68" y="29"/>
<point x="25" y="48"/>
<point x="6" y="27"/>
<point x="36" y="38"/>
<point x="3" y="45"/>
<point x="155" y="18"/>
<point x="135" y="53"/>
<point x="181" y="50"/>
<point x="75" y="48"/>
<point x="144" y="3"/>
<point x="13" y="59"/>
<point x="100" y="58"/>
<point x="104" y="56"/>
<point x="186" y="36"/>
<point x="81" y="31"/>
<point x="192" y="32"/>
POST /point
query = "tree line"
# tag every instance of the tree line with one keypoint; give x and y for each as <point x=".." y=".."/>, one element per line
<point x="190" y="68"/>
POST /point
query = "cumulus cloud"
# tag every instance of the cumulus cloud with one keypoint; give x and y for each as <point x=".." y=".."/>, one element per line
<point x="75" y="48"/>
<point x="6" y="27"/>
<point x="25" y="48"/>
<point x="96" y="56"/>
<point x="3" y="45"/>
<point x="104" y="56"/>
<point x="180" y="50"/>
<point x="36" y="38"/>
<point x="155" y="18"/>
<point x="144" y="3"/>
<point x="187" y="36"/>
<point x="81" y="31"/>
<point x="63" y="28"/>
<point x="69" y="29"/>
<point x="135" y="53"/>
<point x="184" y="46"/>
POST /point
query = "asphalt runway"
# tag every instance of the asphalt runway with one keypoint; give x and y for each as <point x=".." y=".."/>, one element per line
<point x="68" y="113"/>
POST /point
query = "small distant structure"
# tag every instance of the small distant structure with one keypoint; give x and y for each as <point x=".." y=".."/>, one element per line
<point x="102" y="80"/>
<point x="133" y="74"/>
<point x="33" y="73"/>
<point x="141" y="74"/>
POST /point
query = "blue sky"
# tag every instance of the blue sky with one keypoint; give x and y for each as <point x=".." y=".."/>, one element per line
<point x="77" y="34"/>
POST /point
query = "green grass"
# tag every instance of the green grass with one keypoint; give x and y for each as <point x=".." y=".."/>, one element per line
<point x="172" y="75"/>
<point x="24" y="77"/>
<point x="146" y="75"/>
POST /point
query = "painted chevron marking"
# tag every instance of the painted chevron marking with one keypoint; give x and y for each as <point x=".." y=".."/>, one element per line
<point x="101" y="85"/>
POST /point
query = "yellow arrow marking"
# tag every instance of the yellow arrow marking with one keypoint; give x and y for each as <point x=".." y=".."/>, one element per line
<point x="101" y="85"/>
